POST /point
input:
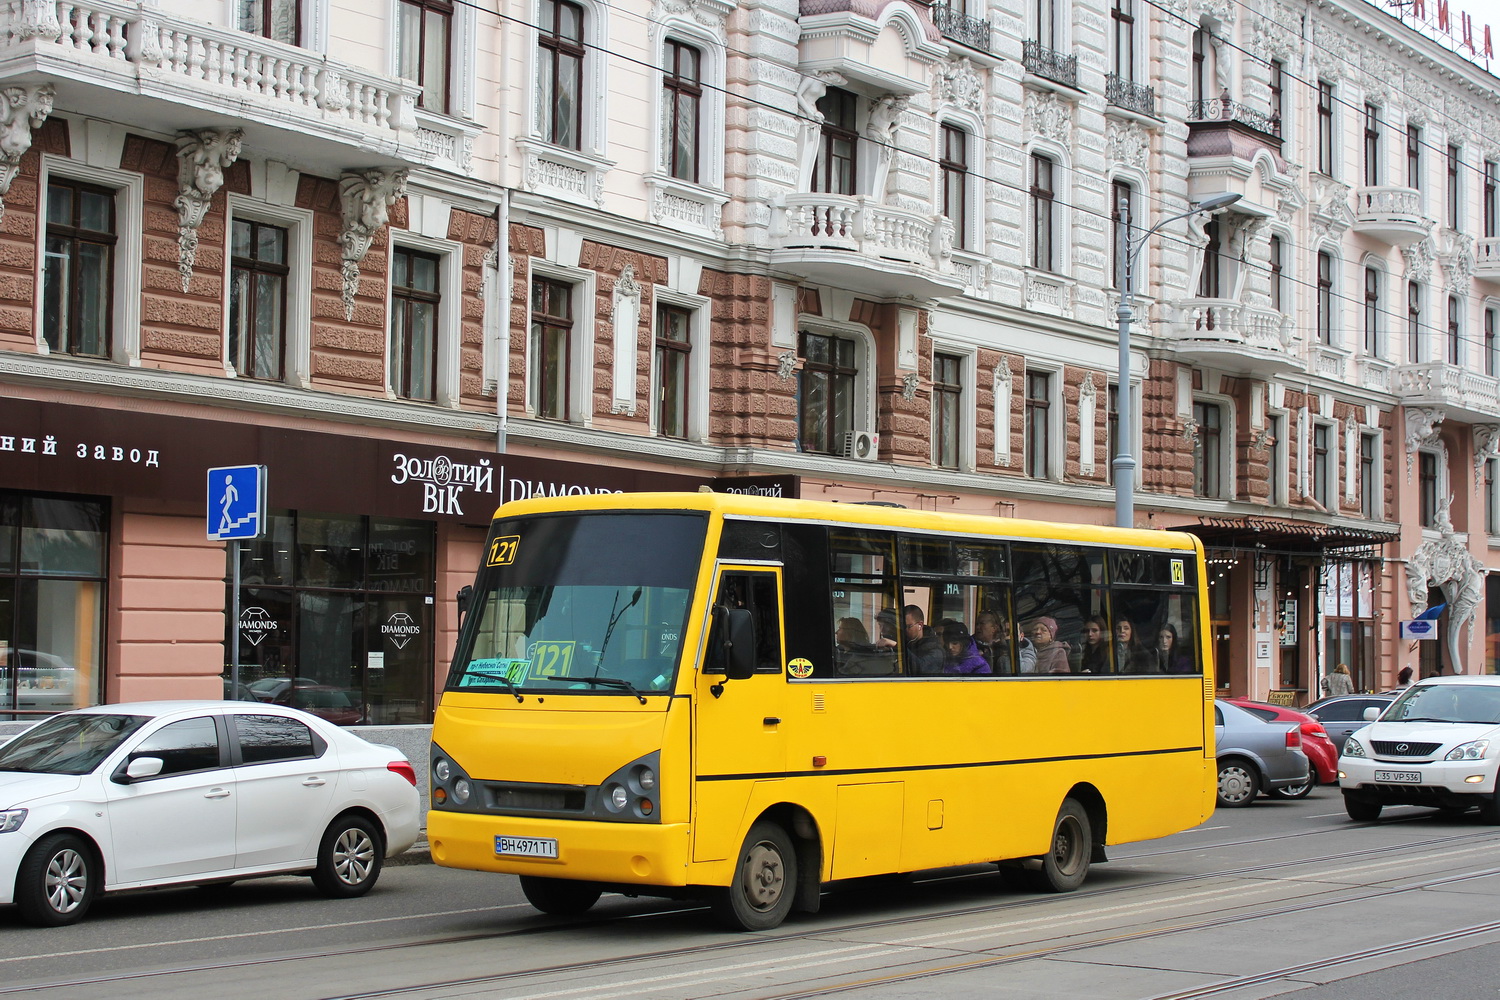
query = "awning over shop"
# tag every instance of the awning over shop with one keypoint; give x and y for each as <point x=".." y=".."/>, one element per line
<point x="1277" y="536"/>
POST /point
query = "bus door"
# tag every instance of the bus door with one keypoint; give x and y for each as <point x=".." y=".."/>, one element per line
<point x="739" y="725"/>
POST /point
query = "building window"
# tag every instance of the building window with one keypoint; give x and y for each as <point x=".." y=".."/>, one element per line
<point x="560" y="54"/>
<point x="1278" y="90"/>
<point x="1414" y="157"/>
<point x="414" y="324"/>
<point x="1043" y="219"/>
<point x="1112" y="431"/>
<point x="425" y="28"/>
<point x="1491" y="202"/>
<point x="682" y="97"/>
<point x="1325" y="298"/>
<point x="1491" y="498"/>
<point x="1491" y="351"/>
<point x="78" y="274"/>
<point x="947" y="394"/>
<point x="1209" y="285"/>
<point x="1427" y="488"/>
<point x="1277" y="255"/>
<point x="1325" y="128"/>
<point x="1369" y="484"/>
<point x="826" y="396"/>
<point x="551" y="346"/>
<point x="1455" y="342"/>
<point x="1413" y="321"/>
<point x="1279" y="454"/>
<point x="1121" y="209"/>
<point x="1208" y="454"/>
<point x="278" y="20"/>
<point x="838" y="157"/>
<point x="257" y="299"/>
<point x="1200" y="71"/>
<point x="1322" y="465"/>
<point x="953" y="166"/>
<point x="1372" y="145"/>
<point x="1372" y="312"/>
<point x="1046" y="18"/>
<point x="673" y="348"/>
<point x="52" y="602"/>
<point x="1453" y="161"/>
<point x="1122" y="14"/>
<point x="1039" y="425"/>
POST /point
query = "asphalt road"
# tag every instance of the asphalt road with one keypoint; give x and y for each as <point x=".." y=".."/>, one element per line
<point x="1283" y="899"/>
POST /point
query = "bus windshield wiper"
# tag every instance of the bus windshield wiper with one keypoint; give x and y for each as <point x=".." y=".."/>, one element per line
<point x="614" y="682"/>
<point x="502" y="678"/>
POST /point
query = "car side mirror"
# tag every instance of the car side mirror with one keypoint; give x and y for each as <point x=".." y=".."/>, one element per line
<point x="1372" y="713"/>
<point x="138" y="768"/>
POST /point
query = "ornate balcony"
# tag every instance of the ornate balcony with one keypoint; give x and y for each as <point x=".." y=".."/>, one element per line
<point x="1223" y="127"/>
<point x="961" y="28"/>
<point x="1234" y="337"/>
<point x="1049" y="64"/>
<point x="1390" y="214"/>
<point x="136" y="62"/>
<point x="1129" y="95"/>
<point x="1487" y="258"/>
<point x="855" y="242"/>
<point x="1466" y="396"/>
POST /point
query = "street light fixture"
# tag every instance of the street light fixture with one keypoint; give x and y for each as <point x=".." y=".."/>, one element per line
<point x="1127" y="248"/>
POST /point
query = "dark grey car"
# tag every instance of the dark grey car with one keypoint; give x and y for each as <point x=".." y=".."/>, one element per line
<point x="1255" y="755"/>
<point x="1343" y="714"/>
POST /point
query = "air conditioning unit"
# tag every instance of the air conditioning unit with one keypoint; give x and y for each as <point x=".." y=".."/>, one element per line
<point x="861" y="445"/>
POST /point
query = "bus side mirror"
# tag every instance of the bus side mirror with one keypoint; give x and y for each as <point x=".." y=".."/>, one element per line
<point x="464" y="597"/>
<point x="739" y="642"/>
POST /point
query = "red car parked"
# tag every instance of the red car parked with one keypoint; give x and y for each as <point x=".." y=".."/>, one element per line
<point x="1320" y="750"/>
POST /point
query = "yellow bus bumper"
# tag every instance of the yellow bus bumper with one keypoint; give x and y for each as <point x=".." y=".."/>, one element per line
<point x="632" y="853"/>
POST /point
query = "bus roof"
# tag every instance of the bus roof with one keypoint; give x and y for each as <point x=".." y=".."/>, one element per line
<point x="866" y="514"/>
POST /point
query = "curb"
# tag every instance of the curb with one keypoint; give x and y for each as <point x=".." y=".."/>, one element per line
<point x="417" y="854"/>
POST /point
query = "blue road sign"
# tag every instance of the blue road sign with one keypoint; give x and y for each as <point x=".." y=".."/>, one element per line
<point x="236" y="502"/>
<point x="1419" y="629"/>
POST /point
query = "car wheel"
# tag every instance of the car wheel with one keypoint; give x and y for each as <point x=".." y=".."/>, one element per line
<point x="765" y="881"/>
<point x="560" y="897"/>
<point x="57" y="881"/>
<point x="349" y="858"/>
<point x="1361" y="810"/>
<point x="1065" y="866"/>
<point x="1301" y="791"/>
<point x="1489" y="810"/>
<point x="1238" y="783"/>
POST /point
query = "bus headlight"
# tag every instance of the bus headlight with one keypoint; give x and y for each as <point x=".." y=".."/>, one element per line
<point x="461" y="791"/>
<point x="441" y="769"/>
<point x="646" y="778"/>
<point x="616" y="798"/>
<point x="632" y="794"/>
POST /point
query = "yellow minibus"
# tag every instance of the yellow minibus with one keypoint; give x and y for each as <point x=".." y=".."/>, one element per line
<point x="744" y="699"/>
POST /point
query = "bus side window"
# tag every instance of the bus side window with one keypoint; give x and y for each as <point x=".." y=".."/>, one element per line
<point x="756" y="593"/>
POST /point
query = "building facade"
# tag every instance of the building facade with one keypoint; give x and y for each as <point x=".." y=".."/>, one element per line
<point x="417" y="258"/>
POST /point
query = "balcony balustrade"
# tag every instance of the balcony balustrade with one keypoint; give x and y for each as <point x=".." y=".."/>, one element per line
<point x="1466" y="395"/>
<point x="1224" y="127"/>
<point x="1235" y="337"/>
<point x="1049" y="64"/>
<point x="1122" y="93"/>
<point x="855" y="242"/>
<point x="136" y="62"/>
<point x="1487" y="258"/>
<point x="961" y="28"/>
<point x="1390" y="214"/>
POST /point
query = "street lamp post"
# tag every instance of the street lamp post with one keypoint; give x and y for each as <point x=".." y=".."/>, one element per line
<point x="1127" y="248"/>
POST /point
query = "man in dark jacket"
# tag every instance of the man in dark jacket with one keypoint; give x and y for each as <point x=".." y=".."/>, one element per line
<point x="924" y="653"/>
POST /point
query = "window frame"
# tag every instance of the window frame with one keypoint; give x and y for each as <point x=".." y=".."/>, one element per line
<point x="1276" y="264"/>
<point x="1414" y="156"/>
<point x="852" y="376"/>
<point x="77" y="236"/>
<point x="1429" y="486"/>
<point x="297" y="334"/>
<point x="1454" y="199"/>
<point x="1374" y="282"/>
<point x="255" y="267"/>
<point x="947" y="452"/>
<point x="1414" y="350"/>
<point x="405" y="300"/>
<point x="1371" y="486"/>
<point x="1455" y="332"/>
<point x="1120" y="190"/>
<point x="1039" y="432"/>
<point x="1325" y="297"/>
<point x="676" y="87"/>
<point x="1372" y="145"/>
<point x="833" y="105"/>
<point x="1123" y="39"/>
<point x="265" y="30"/>
<point x="1210" y="478"/>
<point x="1491" y="346"/>
<point x="1045" y="255"/>
<point x="1323" y="464"/>
<point x="444" y="10"/>
<point x="548" y="36"/>
<point x="536" y="401"/>
<point x="664" y="348"/>
<point x="1327" y="145"/>
<point x="954" y="179"/>
<point x="1490" y="181"/>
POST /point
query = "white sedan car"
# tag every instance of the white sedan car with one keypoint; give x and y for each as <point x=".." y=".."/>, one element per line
<point x="1438" y="745"/>
<point x="182" y="792"/>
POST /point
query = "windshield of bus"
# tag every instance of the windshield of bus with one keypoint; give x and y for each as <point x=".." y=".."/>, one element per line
<point x="584" y="603"/>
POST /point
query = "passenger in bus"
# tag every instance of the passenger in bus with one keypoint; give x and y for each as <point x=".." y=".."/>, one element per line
<point x="850" y="638"/>
<point x="1025" y="652"/>
<point x="1171" y="657"/>
<point x="924" y="653"/>
<point x="990" y="641"/>
<point x="1093" y="653"/>
<point x="1051" y="655"/>
<point x="1131" y="656"/>
<point x="960" y="654"/>
<point x="856" y="656"/>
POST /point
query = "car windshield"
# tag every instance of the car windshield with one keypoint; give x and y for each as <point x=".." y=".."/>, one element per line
<point x="586" y="603"/>
<point x="1446" y="703"/>
<point x="68" y="744"/>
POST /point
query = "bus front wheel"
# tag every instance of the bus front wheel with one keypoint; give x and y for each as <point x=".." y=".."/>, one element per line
<point x="1065" y="866"/>
<point x="559" y="896"/>
<point x="765" y="881"/>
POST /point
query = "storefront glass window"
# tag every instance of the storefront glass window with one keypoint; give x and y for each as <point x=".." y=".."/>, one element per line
<point x="336" y="617"/>
<point x="52" y="569"/>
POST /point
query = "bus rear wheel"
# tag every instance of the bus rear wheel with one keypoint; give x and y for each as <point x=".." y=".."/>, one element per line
<point x="1067" y="864"/>
<point x="560" y="897"/>
<point x="765" y="881"/>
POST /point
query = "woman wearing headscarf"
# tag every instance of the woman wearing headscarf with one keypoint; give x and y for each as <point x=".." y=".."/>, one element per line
<point x="1051" y="655"/>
